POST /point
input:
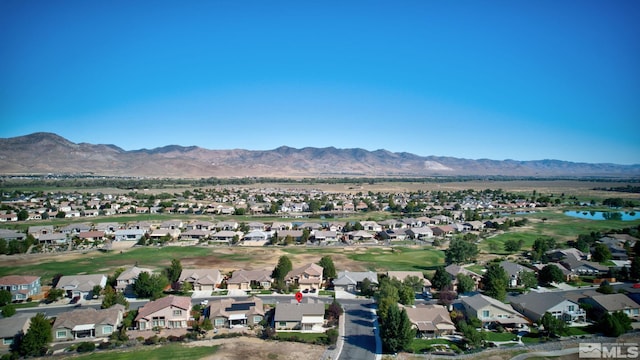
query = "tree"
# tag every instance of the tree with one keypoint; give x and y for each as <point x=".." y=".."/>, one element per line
<point x="495" y="281"/>
<point x="328" y="268"/>
<point x="407" y="295"/>
<point x="34" y="342"/>
<point x="550" y="273"/>
<point x="5" y="297"/>
<point x="206" y="325"/>
<point x="414" y="282"/>
<point x="113" y="279"/>
<point x="601" y="253"/>
<point x="282" y="269"/>
<point x="334" y="311"/>
<point x="473" y="337"/>
<point x="552" y="326"/>
<point x="395" y="330"/>
<point x="23" y="215"/>
<point x="465" y="283"/>
<point x="366" y="287"/>
<point x="95" y="292"/>
<point x="174" y="271"/>
<point x="634" y="271"/>
<point x="150" y="286"/>
<point x="528" y="279"/>
<point x="460" y="251"/>
<point x="55" y="294"/>
<point x="441" y="279"/>
<point x="540" y="247"/>
<point x="513" y="245"/>
<point x="615" y="324"/>
<point x="111" y="297"/>
<point x="387" y="295"/>
<point x="605" y="288"/>
<point x="8" y="310"/>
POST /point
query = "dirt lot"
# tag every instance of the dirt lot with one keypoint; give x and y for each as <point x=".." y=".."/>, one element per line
<point x="255" y="349"/>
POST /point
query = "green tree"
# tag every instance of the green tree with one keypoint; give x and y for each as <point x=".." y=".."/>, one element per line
<point x="8" y="310"/>
<point x="513" y="245"/>
<point x="601" y="253"/>
<point x="174" y="271"/>
<point x="150" y="286"/>
<point x="552" y="326"/>
<point x="366" y="287"/>
<point x="23" y="215"/>
<point x="465" y="283"/>
<point x="441" y="279"/>
<point x="55" y="294"/>
<point x="550" y="273"/>
<point x="473" y="337"/>
<point x="615" y="324"/>
<point x="406" y="295"/>
<point x="634" y="270"/>
<point x="414" y="282"/>
<point x="206" y="325"/>
<point x="528" y="279"/>
<point x="112" y="297"/>
<point x="5" y="297"/>
<point x="282" y="269"/>
<point x="387" y="295"/>
<point x="540" y="247"/>
<point x="495" y="281"/>
<point x="328" y="268"/>
<point x="34" y="342"/>
<point x="395" y="330"/>
<point x="605" y="288"/>
<point x="460" y="251"/>
<point x="113" y="279"/>
<point x="95" y="292"/>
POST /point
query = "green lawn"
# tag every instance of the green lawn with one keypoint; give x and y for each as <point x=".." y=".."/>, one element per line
<point x="498" y="242"/>
<point x="400" y="258"/>
<point x="420" y="345"/>
<point x="307" y="337"/>
<point x="494" y="336"/>
<point x="165" y="352"/>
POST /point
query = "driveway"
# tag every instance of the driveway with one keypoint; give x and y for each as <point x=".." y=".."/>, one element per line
<point x="360" y="341"/>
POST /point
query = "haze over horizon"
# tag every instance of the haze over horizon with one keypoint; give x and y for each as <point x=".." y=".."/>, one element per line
<point x="498" y="80"/>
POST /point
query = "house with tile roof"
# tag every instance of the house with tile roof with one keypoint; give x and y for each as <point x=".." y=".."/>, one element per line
<point x="21" y="287"/>
<point x="429" y="320"/>
<point x="87" y="323"/>
<point x="171" y="312"/>
<point x="230" y="313"/>
<point x="201" y="279"/>
<point x="305" y="316"/>
<point x="81" y="285"/>
<point x="307" y="277"/>
<point x="248" y="279"/>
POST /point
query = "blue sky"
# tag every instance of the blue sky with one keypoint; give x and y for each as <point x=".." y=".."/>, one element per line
<point x="522" y="80"/>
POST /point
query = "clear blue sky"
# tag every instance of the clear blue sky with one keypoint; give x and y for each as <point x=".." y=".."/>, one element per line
<point x="524" y="80"/>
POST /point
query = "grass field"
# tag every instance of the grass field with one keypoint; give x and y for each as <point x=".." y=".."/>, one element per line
<point x="400" y="258"/>
<point x="166" y="352"/>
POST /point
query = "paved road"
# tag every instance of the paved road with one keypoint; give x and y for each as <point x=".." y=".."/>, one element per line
<point x="360" y="337"/>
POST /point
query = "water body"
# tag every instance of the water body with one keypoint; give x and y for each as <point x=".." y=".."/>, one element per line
<point x="604" y="215"/>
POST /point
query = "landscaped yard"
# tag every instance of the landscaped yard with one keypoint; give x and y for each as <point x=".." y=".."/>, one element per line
<point x="421" y="345"/>
<point x="306" y="337"/>
<point x="495" y="336"/>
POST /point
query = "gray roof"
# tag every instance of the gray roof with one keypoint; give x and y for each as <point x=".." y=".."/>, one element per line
<point x="10" y="326"/>
<point x="295" y="311"/>
<point x="84" y="283"/>
<point x="538" y="303"/>
<point x="615" y="302"/>
<point x="513" y="269"/>
<point x="353" y="277"/>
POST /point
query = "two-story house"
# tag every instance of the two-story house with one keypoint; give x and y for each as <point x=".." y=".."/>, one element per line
<point x="307" y="277"/>
<point x="534" y="305"/>
<point x="491" y="311"/>
<point x="21" y="287"/>
<point x="230" y="313"/>
<point x="171" y="312"/>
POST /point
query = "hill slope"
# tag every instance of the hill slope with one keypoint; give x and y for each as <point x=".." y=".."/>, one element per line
<point x="42" y="153"/>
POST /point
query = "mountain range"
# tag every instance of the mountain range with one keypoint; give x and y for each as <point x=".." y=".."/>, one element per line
<point x="42" y="153"/>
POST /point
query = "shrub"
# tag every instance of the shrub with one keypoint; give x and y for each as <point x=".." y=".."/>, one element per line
<point x="86" y="346"/>
<point x="152" y="340"/>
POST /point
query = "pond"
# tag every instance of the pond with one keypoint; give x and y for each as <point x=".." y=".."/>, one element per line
<point x="604" y="215"/>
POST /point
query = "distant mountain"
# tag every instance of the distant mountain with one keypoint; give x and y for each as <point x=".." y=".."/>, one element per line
<point x="42" y="153"/>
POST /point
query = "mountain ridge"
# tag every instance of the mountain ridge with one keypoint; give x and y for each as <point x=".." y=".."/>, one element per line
<point x="41" y="153"/>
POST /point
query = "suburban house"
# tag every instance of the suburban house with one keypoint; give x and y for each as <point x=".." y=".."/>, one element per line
<point x="91" y="236"/>
<point x="403" y="275"/>
<point x="21" y="287"/>
<point x="169" y="312"/>
<point x="350" y="281"/>
<point x="454" y="269"/>
<point x="87" y="323"/>
<point x="230" y="313"/>
<point x="325" y="236"/>
<point x="248" y="279"/>
<point x="194" y="234"/>
<point x="307" y="277"/>
<point x="128" y="277"/>
<point x="492" y="311"/>
<point x="256" y="238"/>
<point x="36" y="231"/>
<point x="81" y="285"/>
<point x="430" y="321"/>
<point x="614" y="302"/>
<point x="420" y="233"/>
<point x="513" y="272"/>
<point x="129" y="234"/>
<point x="10" y="327"/>
<point x="11" y="235"/>
<point x="55" y="238"/>
<point x="225" y="236"/>
<point x="296" y="235"/>
<point x="303" y="316"/>
<point x="201" y="279"/>
<point x="534" y="305"/>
